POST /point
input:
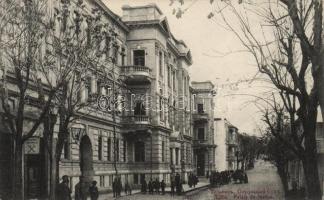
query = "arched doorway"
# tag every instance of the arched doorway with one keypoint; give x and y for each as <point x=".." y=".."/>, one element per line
<point x="86" y="162"/>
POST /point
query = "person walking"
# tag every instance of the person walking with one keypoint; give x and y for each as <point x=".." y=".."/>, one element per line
<point x="163" y="187"/>
<point x="126" y="188"/>
<point x="63" y="191"/>
<point x="93" y="191"/>
<point x="172" y="187"/>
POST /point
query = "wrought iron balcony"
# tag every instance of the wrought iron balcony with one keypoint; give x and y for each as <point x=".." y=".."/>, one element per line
<point x="136" y="74"/>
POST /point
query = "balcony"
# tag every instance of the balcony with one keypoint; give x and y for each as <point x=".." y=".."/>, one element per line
<point x="136" y="74"/>
<point x="231" y="142"/>
<point x="203" y="143"/>
<point x="200" y="117"/>
<point x="136" y="124"/>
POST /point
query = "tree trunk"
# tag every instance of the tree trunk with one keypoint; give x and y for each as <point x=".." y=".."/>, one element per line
<point x="320" y="81"/>
<point x="283" y="177"/>
<point x="310" y="165"/>
<point x="18" y="190"/>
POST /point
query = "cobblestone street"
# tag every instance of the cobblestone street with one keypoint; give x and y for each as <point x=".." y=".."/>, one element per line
<point x="264" y="184"/>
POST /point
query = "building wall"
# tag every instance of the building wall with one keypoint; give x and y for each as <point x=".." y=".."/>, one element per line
<point x="220" y="141"/>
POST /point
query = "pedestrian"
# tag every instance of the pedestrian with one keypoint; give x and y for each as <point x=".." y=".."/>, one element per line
<point x="129" y="189"/>
<point x="93" y="191"/>
<point x="172" y="187"/>
<point x="144" y="186"/>
<point x="157" y="186"/>
<point x="78" y="190"/>
<point x="114" y="187"/>
<point x="163" y="187"/>
<point x="150" y="187"/>
<point x="120" y="187"/>
<point x="126" y="188"/>
<point x="63" y="191"/>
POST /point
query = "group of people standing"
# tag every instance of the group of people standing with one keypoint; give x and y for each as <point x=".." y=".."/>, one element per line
<point x="82" y="190"/>
<point x="192" y="180"/>
<point x="118" y="187"/>
<point x="153" y="187"/>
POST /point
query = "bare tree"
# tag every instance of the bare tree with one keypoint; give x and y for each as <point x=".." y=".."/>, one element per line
<point x="286" y="46"/>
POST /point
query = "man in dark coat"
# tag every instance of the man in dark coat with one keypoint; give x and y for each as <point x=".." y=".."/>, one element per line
<point x="144" y="186"/>
<point x="172" y="187"/>
<point x="114" y="187"/>
<point x="150" y="187"/>
<point x="163" y="187"/>
<point x="93" y="191"/>
<point x="157" y="186"/>
<point x="63" y="191"/>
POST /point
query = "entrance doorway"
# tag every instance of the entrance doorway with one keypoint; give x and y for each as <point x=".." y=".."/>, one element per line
<point x="200" y="163"/>
<point x="36" y="172"/>
<point x="86" y="160"/>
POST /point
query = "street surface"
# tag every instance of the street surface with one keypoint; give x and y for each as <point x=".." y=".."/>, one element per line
<point x="264" y="184"/>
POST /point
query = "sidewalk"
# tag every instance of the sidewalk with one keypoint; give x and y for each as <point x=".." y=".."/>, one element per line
<point x="186" y="188"/>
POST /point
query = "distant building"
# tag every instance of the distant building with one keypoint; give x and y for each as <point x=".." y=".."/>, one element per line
<point x="225" y="137"/>
<point x="203" y="139"/>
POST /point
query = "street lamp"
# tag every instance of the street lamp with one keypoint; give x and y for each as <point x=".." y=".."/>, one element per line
<point x="77" y="130"/>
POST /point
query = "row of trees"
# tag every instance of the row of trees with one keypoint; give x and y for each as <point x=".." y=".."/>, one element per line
<point x="288" y="52"/>
<point x="48" y="51"/>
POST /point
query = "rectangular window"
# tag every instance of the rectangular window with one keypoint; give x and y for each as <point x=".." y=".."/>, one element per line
<point x="135" y="179"/>
<point x="171" y="156"/>
<point x="161" y="63"/>
<point x="139" y="57"/>
<point x="139" y="151"/>
<point x="177" y="156"/>
<point x="99" y="87"/>
<point x="169" y="76"/>
<point x="174" y="80"/>
<point x="123" y="55"/>
<point x="99" y="148"/>
<point x="117" y="150"/>
<point x="161" y="109"/>
<point x="200" y="108"/>
<point x="102" y="181"/>
<point x="163" y="151"/>
<point x="201" y="134"/>
<point x="109" y="149"/>
<point x="67" y="149"/>
<point x="125" y="150"/>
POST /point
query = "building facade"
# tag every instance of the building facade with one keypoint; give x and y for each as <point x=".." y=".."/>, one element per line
<point x="225" y="134"/>
<point x="203" y="114"/>
<point x="160" y="127"/>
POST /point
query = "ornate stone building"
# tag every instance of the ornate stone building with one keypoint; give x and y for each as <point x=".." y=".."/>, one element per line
<point x="153" y="133"/>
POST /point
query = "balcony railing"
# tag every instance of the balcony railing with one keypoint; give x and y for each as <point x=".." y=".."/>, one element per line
<point x="200" y="117"/>
<point x="137" y="74"/>
<point x="137" y="119"/>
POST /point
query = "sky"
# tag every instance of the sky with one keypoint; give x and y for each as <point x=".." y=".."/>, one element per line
<point x="217" y="56"/>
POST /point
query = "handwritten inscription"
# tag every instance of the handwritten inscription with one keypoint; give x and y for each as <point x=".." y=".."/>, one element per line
<point x="245" y="194"/>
